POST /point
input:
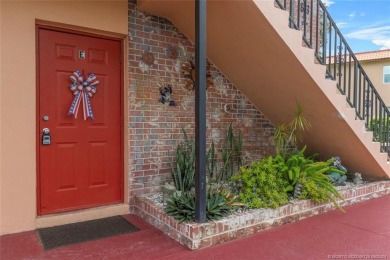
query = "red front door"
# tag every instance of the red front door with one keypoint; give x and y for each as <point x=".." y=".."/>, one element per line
<point x="81" y="167"/>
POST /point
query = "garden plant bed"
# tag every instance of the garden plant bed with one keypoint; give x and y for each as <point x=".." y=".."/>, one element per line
<point x="196" y="236"/>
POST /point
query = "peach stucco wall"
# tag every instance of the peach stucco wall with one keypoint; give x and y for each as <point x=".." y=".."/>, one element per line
<point x="18" y="91"/>
<point x="374" y="70"/>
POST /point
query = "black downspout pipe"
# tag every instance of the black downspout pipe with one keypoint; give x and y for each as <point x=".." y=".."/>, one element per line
<point x="200" y="111"/>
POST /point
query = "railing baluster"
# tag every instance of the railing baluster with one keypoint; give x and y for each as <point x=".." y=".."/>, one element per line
<point x="334" y="55"/>
<point x="382" y="126"/>
<point x="329" y="53"/>
<point x="355" y="86"/>
<point x="386" y="138"/>
<point x="281" y="5"/>
<point x="340" y="60"/>
<point x="323" y="36"/>
<point x="365" y="102"/>
<point x="317" y="29"/>
<point x="311" y="23"/>
<point x="301" y="10"/>
<point x="345" y="70"/>
<point x="349" y="80"/>
<point x="372" y="104"/>
<point x="368" y="100"/>
<point x="292" y="14"/>
<point x="359" y="93"/>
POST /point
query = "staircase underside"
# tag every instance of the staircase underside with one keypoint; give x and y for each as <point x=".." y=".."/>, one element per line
<point x="251" y="43"/>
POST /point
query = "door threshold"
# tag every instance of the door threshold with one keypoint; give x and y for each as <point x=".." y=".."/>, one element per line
<point x="81" y="215"/>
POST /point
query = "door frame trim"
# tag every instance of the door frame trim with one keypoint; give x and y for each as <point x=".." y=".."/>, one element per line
<point x="122" y="41"/>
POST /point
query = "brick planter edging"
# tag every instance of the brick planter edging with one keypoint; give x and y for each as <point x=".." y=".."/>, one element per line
<point x="196" y="236"/>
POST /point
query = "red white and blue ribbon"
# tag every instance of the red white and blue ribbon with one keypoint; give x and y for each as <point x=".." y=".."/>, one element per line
<point x="82" y="90"/>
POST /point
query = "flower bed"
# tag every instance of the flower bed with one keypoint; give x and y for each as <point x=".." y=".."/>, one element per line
<point x="196" y="236"/>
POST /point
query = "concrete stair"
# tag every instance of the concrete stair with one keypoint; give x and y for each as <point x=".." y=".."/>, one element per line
<point x="251" y="43"/>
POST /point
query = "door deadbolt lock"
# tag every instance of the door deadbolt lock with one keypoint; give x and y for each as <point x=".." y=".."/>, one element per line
<point x="46" y="139"/>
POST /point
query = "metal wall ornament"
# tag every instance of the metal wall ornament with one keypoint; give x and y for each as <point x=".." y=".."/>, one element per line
<point x="148" y="58"/>
<point x="190" y="73"/>
<point x="172" y="52"/>
<point x="82" y="90"/>
<point x="166" y="95"/>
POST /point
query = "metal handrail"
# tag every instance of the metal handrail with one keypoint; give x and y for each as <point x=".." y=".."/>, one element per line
<point x="320" y="33"/>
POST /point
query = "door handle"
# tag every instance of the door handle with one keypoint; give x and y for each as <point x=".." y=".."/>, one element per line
<point x="46" y="139"/>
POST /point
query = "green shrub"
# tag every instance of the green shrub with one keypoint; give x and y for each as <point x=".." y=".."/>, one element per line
<point x="312" y="191"/>
<point x="261" y="185"/>
<point x="181" y="206"/>
<point x="380" y="127"/>
<point x="269" y="182"/>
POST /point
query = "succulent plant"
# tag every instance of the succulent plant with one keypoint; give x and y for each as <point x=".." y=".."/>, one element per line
<point x="181" y="206"/>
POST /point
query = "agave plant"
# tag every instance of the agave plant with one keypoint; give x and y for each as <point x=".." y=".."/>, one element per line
<point x="181" y="206"/>
<point x="217" y="206"/>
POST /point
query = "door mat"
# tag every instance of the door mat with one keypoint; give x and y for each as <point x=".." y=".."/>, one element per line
<point x="69" y="234"/>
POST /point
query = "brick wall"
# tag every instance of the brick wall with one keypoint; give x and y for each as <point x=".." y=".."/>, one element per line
<point x="154" y="128"/>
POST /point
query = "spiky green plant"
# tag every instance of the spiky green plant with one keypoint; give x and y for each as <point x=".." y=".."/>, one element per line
<point x="231" y="154"/>
<point x="295" y="165"/>
<point x="287" y="135"/>
<point x="227" y="157"/>
<point x="181" y="206"/>
<point x="317" y="186"/>
<point x="211" y="161"/>
<point x="230" y="147"/>
<point x="217" y="206"/>
<point x="281" y="136"/>
<point x="238" y="149"/>
<point x="183" y="173"/>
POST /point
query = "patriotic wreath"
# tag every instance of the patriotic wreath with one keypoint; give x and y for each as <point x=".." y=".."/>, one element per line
<point x="82" y="90"/>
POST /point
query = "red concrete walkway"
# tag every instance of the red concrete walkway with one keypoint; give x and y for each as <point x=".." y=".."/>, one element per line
<point x="361" y="233"/>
